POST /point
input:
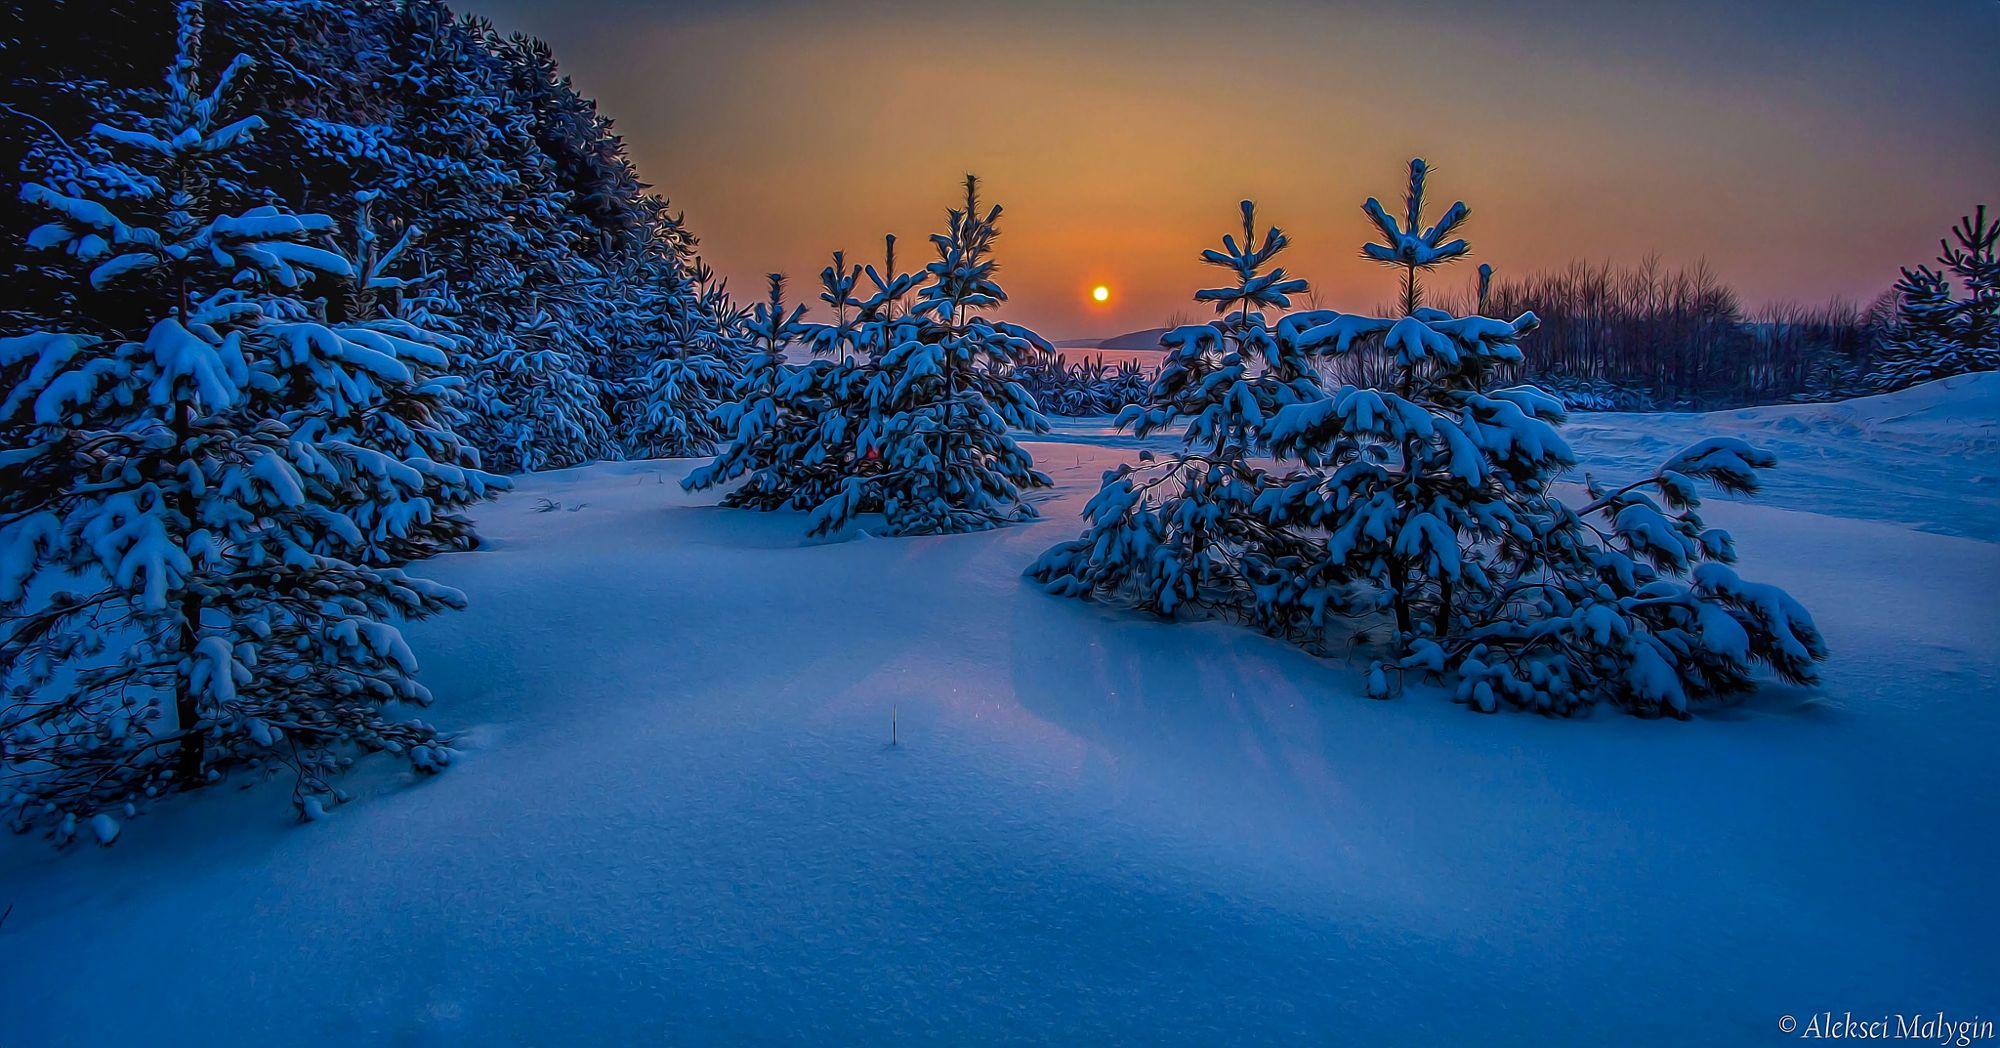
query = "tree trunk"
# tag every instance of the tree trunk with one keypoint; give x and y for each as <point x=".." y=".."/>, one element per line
<point x="1397" y="586"/>
<point x="187" y="706"/>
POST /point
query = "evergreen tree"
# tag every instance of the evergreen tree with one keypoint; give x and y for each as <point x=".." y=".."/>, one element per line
<point x="205" y="492"/>
<point x="914" y="425"/>
<point x="938" y="420"/>
<point x="685" y="360"/>
<point x="1176" y="535"/>
<point x="769" y="432"/>
<point x="1937" y="334"/>
<point x="1438" y="498"/>
<point x="542" y="249"/>
<point x="1430" y="504"/>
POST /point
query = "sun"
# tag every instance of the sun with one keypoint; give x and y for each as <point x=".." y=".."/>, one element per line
<point x="1101" y="293"/>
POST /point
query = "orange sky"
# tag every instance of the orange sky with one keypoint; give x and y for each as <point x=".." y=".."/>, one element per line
<point x="1805" y="150"/>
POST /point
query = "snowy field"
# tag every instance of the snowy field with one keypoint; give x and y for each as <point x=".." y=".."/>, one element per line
<point x="1926" y="457"/>
<point x="678" y="817"/>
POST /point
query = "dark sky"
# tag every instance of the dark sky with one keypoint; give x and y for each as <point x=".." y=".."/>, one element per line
<point x="1804" y="149"/>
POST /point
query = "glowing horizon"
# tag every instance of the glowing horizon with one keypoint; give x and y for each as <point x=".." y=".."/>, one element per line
<point x="1804" y="155"/>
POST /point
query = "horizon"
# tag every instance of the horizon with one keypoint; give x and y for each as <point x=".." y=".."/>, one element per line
<point x="1575" y="134"/>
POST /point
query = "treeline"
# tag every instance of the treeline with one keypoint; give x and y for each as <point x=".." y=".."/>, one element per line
<point x="1681" y="337"/>
<point x="1651" y="337"/>
<point x="1648" y="336"/>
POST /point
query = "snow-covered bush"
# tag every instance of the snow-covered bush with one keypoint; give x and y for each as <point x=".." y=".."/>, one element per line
<point x="914" y="424"/>
<point x="206" y="488"/>
<point x="1584" y="394"/>
<point x="1084" y="387"/>
<point x="1427" y="510"/>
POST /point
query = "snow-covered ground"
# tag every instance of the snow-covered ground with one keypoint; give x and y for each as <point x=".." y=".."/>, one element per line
<point x="678" y="817"/>
<point x="1926" y="457"/>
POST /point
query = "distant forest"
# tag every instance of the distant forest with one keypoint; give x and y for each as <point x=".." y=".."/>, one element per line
<point x="1652" y="337"/>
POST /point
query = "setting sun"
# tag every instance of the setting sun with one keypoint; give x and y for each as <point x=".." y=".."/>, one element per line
<point x="1101" y="293"/>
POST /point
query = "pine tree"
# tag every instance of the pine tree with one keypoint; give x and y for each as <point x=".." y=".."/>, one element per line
<point x="206" y="492"/>
<point x="1975" y="259"/>
<point x="1180" y="535"/>
<point x="686" y="363"/>
<point x="769" y="432"/>
<point x="1437" y="496"/>
<point x="534" y="219"/>
<point x="1936" y="333"/>
<point x="1428" y="507"/>
<point x="915" y="425"/>
<point x="939" y="417"/>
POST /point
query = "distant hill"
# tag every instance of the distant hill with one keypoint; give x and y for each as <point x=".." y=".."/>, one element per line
<point x="1146" y="339"/>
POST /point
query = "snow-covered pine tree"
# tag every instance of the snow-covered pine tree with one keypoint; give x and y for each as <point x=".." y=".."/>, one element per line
<point x="683" y="318"/>
<point x="481" y="113"/>
<point x="881" y="309"/>
<point x="1179" y="534"/>
<point x="412" y="421"/>
<point x="1937" y="334"/>
<point x="915" y="424"/>
<point x="1437" y="496"/>
<point x="188" y="580"/>
<point x="832" y="386"/>
<point x="1924" y="342"/>
<point x="529" y="203"/>
<point x="836" y="476"/>
<point x="1430" y="504"/>
<point x="938" y="413"/>
<point x="769" y="432"/>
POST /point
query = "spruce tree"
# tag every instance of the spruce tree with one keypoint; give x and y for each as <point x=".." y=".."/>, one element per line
<point x="1437" y="495"/>
<point x="684" y="364"/>
<point x="541" y="246"/>
<point x="1936" y="333"/>
<point x="206" y="487"/>
<point x="768" y="430"/>
<point x="1427" y="509"/>
<point x="938" y="419"/>
<point x="915" y="425"/>
<point x="1179" y="535"/>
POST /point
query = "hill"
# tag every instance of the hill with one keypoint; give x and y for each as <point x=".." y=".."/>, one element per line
<point x="1147" y="338"/>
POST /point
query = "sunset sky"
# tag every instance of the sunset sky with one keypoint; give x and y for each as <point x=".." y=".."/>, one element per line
<point x="1804" y="149"/>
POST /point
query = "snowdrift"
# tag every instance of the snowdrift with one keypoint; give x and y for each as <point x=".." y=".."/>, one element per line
<point x="677" y="816"/>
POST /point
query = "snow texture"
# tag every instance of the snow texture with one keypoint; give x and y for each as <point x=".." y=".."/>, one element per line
<point x="679" y="820"/>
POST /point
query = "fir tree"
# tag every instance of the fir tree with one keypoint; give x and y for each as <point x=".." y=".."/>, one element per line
<point x="686" y="368"/>
<point x="1180" y="535"/>
<point x="1430" y="503"/>
<point x="1937" y="334"/>
<point x="938" y="419"/>
<point x="542" y="251"/>
<point x="769" y="432"/>
<point x="206" y="491"/>
<point x="916" y="431"/>
<point x="1437" y="496"/>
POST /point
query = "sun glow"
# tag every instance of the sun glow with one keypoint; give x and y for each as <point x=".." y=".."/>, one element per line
<point x="1101" y="293"/>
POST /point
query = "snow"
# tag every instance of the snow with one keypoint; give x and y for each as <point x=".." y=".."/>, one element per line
<point x="675" y="814"/>
<point x="1927" y="457"/>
